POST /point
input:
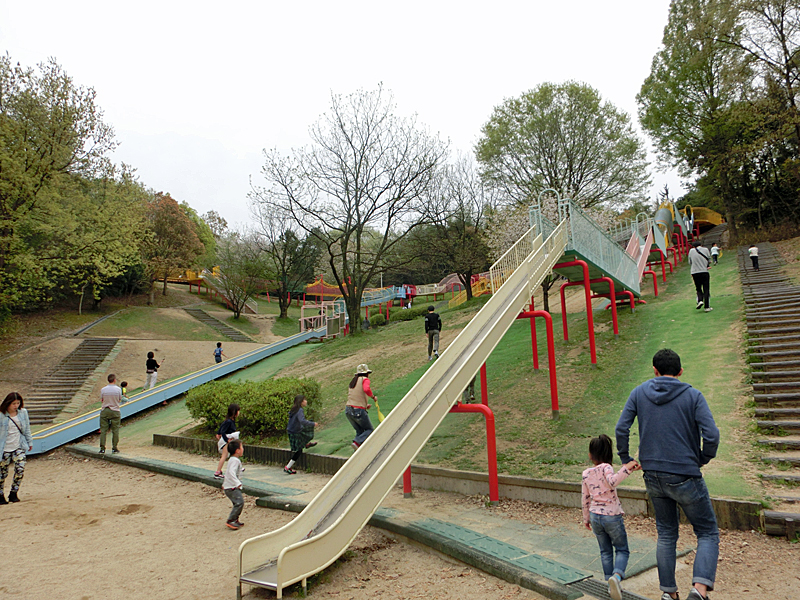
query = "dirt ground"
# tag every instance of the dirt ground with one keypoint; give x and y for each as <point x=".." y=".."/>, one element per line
<point x="87" y="529"/>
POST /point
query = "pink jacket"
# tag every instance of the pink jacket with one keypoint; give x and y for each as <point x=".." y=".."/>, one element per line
<point x="599" y="493"/>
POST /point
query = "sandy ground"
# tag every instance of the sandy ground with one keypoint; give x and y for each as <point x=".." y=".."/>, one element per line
<point x="87" y="529"/>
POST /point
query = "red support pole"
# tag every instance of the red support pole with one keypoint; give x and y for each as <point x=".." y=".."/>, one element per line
<point x="407" y="483"/>
<point x="588" y="295"/>
<point x="268" y="300"/>
<point x="613" y="297"/>
<point x="534" y="345"/>
<point x="304" y="298"/>
<point x="663" y="269"/>
<point x="551" y="354"/>
<point x="484" y="386"/>
<point x="491" y="446"/>
<point x="655" y="281"/>
<point x="388" y="304"/>
<point x="564" y="310"/>
<point x="674" y="256"/>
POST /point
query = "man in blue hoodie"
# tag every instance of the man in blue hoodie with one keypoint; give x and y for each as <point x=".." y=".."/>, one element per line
<point x="677" y="436"/>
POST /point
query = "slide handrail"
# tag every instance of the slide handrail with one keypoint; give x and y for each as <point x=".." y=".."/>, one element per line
<point x="325" y="528"/>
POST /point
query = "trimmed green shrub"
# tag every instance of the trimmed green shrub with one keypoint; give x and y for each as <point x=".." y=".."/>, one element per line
<point x="409" y="314"/>
<point x="379" y="319"/>
<point x="264" y="405"/>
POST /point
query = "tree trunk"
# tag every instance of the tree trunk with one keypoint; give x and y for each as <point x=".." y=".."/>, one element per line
<point x="546" y="293"/>
<point x="152" y="299"/>
<point x="165" y="285"/>
<point x="80" y="303"/>
<point x="465" y="279"/>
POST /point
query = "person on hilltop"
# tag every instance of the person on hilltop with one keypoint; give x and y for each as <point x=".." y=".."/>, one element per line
<point x="300" y="430"/>
<point x="15" y="441"/>
<point x="700" y="261"/>
<point x="677" y="437"/>
<point x="602" y="511"/>
<point x="715" y="252"/>
<point x="358" y="395"/>
<point x="433" y="325"/>
<point x="110" y="417"/>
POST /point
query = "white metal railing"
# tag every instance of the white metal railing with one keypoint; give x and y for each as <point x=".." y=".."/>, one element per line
<point x="597" y="246"/>
<point x="513" y="258"/>
<point x="431" y="288"/>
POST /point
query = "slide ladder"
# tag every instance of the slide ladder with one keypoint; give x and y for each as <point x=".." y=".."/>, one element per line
<point x="588" y="242"/>
<point x="327" y="526"/>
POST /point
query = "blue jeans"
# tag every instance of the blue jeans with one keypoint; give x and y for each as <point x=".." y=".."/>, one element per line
<point x="668" y="491"/>
<point x="359" y="419"/>
<point x="610" y="533"/>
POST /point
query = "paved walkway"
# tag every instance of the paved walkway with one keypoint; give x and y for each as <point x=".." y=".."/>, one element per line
<point x="558" y="562"/>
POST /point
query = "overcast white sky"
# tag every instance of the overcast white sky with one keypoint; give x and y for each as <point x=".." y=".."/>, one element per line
<point x="196" y="90"/>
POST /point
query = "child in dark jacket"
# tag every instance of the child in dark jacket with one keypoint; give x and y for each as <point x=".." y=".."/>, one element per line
<point x="226" y="432"/>
<point x="300" y="430"/>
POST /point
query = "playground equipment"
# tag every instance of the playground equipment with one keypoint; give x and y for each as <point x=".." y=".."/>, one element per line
<point x="479" y="287"/>
<point x="318" y="536"/>
<point x="79" y="426"/>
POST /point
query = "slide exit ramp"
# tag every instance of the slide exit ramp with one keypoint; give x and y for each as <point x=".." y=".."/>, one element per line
<point x="589" y="242"/>
<point x="77" y="427"/>
<point x="327" y="526"/>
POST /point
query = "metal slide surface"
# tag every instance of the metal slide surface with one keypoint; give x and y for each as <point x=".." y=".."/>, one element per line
<point x="77" y="427"/>
<point x="327" y="526"/>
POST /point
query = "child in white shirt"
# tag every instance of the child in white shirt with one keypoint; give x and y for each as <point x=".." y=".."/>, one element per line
<point x="231" y="484"/>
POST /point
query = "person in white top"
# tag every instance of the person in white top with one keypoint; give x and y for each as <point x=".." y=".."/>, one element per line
<point x="700" y="261"/>
<point x="754" y="256"/>
<point x="110" y="398"/>
<point x="715" y="252"/>
<point x="232" y="485"/>
<point x="15" y="441"/>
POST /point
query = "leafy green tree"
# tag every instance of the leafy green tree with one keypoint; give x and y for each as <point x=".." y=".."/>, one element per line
<point x="49" y="128"/>
<point x="173" y="245"/>
<point x="368" y="171"/>
<point x="565" y="137"/>
<point x="693" y="80"/>
<point x="206" y="236"/>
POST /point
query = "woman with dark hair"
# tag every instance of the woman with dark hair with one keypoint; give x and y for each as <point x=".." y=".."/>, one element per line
<point x="15" y="441"/>
<point x="226" y="432"/>
<point x="300" y="430"/>
<point x="358" y="404"/>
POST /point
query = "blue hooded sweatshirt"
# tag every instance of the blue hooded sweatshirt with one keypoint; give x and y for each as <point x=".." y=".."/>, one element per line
<point x="673" y="417"/>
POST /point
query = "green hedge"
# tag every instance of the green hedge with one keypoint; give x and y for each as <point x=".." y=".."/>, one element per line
<point x="378" y="319"/>
<point x="264" y="405"/>
<point x="409" y="314"/>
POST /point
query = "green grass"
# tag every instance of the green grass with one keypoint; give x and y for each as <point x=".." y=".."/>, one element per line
<point x="243" y="324"/>
<point x="146" y="322"/>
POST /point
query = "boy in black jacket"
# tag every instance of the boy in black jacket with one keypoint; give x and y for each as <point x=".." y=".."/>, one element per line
<point x="433" y="325"/>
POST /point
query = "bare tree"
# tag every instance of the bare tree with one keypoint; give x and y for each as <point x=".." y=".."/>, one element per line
<point x="292" y="256"/>
<point x="457" y="214"/>
<point x="242" y="267"/>
<point x="367" y="171"/>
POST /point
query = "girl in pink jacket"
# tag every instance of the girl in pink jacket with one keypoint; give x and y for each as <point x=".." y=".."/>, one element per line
<point x="602" y="511"/>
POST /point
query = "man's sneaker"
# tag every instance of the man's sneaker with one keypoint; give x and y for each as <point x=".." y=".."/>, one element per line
<point x="699" y="304"/>
<point x="102" y="451"/>
<point x="615" y="587"/>
<point x="666" y="596"/>
<point x="355" y="445"/>
<point x="430" y="358"/>
<point x="289" y="471"/>
<point x="239" y="523"/>
<point x="709" y="309"/>
<point x="219" y="475"/>
<point x="232" y="524"/>
<point x="436" y="353"/>
<point x="695" y="595"/>
<point x="115" y="451"/>
<point x="311" y="444"/>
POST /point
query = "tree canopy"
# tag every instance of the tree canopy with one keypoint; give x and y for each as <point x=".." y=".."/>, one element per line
<point x="565" y="137"/>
